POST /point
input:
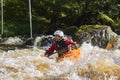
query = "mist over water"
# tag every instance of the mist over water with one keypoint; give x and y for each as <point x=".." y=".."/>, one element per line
<point x="30" y="64"/>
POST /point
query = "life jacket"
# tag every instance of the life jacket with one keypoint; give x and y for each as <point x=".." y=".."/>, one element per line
<point x="61" y="47"/>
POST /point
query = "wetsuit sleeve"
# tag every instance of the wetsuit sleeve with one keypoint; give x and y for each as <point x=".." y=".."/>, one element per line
<point x="70" y="41"/>
<point x="50" y="50"/>
<point x="71" y="44"/>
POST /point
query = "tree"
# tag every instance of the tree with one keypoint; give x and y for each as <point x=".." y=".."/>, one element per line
<point x="49" y="15"/>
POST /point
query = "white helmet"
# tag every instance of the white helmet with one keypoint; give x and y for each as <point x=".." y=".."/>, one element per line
<point x="59" y="32"/>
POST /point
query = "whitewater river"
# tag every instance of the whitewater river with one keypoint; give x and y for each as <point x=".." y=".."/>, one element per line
<point x="30" y="64"/>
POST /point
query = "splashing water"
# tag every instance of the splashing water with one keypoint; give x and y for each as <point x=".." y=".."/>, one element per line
<point x="13" y="41"/>
<point x="30" y="64"/>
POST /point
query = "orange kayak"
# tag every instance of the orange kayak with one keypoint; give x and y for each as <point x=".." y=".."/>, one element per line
<point x="72" y="55"/>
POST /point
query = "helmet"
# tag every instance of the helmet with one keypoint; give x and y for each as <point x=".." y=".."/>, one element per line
<point x="59" y="32"/>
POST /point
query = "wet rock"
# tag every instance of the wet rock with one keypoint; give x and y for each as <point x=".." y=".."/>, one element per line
<point x="98" y="35"/>
<point x="44" y="41"/>
<point x="29" y="41"/>
<point x="12" y="41"/>
<point x="117" y="44"/>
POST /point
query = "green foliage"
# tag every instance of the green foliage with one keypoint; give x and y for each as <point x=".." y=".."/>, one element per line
<point x="49" y="15"/>
<point x="71" y="31"/>
<point x="90" y="28"/>
<point x="105" y="18"/>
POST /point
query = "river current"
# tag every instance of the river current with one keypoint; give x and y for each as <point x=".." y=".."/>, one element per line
<point x="30" y="64"/>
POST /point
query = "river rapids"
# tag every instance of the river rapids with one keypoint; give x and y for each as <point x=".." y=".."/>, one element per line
<point x="30" y="64"/>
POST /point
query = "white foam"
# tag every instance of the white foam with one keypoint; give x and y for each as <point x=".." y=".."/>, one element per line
<point x="19" y="64"/>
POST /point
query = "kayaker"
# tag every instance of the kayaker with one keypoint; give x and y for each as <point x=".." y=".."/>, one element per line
<point x="61" y="45"/>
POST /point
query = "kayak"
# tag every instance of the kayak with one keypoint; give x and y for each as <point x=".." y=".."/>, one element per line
<point x="71" y="55"/>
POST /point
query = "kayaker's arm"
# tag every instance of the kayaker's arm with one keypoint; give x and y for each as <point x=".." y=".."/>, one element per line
<point x="50" y="50"/>
<point x="71" y="43"/>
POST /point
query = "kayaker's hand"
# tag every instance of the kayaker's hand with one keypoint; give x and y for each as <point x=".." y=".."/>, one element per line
<point x="74" y="46"/>
<point x="70" y="47"/>
<point x="46" y="55"/>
